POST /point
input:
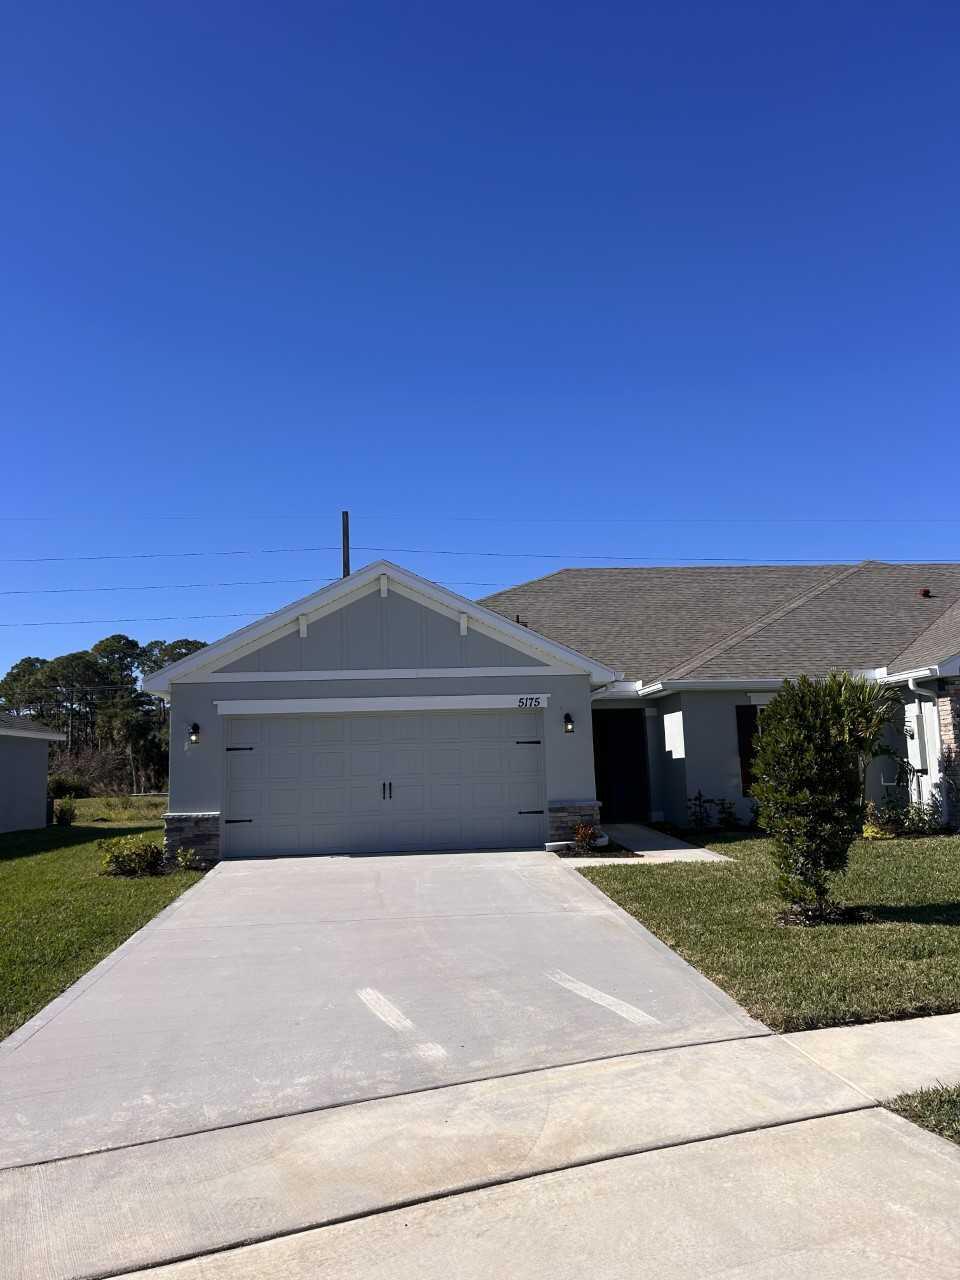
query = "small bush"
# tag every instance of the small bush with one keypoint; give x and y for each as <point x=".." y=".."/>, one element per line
<point x="64" y="811"/>
<point x="897" y="815"/>
<point x="130" y="856"/>
<point x="727" y="818"/>
<point x="67" y="783"/>
<point x="584" y="834"/>
<point x="190" y="860"/>
<point x="700" y="808"/>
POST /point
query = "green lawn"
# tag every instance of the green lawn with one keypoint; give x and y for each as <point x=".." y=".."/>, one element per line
<point x="935" y="1109"/>
<point x="902" y="961"/>
<point x="58" y="916"/>
<point x="125" y="809"/>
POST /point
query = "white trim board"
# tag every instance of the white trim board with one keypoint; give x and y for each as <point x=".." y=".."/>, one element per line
<point x="344" y="706"/>
<point x="394" y="673"/>
<point x="346" y="591"/>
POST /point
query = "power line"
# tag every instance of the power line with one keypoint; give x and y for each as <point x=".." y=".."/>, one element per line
<point x="190" y="617"/>
<point x="190" y="586"/>
<point x="110" y="622"/>
<point x="420" y="551"/>
<point x="164" y="555"/>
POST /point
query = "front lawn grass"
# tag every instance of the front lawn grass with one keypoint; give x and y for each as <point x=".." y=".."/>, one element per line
<point x="901" y="961"/>
<point x="59" y="916"/>
<point x="128" y="810"/>
<point x="935" y="1109"/>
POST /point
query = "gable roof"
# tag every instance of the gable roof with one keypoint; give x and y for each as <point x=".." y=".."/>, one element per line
<point x="344" y="592"/>
<point x="26" y="727"/>
<point x="755" y="621"/>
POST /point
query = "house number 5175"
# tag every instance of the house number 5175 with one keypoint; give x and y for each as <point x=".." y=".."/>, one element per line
<point x="528" y="702"/>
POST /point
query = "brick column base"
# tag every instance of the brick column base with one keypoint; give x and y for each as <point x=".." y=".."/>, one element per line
<point x="199" y="832"/>
<point x="564" y="815"/>
<point x="948" y="711"/>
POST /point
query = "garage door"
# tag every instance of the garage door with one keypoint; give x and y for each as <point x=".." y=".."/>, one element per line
<point x="368" y="783"/>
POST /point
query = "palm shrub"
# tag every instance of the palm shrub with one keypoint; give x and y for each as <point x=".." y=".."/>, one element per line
<point x="809" y="787"/>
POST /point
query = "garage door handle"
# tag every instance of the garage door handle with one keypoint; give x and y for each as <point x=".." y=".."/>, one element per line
<point x="390" y="785"/>
<point x="383" y="791"/>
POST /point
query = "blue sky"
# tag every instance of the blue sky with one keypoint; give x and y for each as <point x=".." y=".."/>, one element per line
<point x="674" y="282"/>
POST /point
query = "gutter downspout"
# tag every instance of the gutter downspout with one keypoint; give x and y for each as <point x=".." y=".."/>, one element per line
<point x="933" y="764"/>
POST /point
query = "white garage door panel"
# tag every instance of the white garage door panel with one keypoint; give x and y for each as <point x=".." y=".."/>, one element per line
<point x="315" y="784"/>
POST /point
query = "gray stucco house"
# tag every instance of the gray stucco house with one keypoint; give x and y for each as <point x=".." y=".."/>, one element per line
<point x="385" y="713"/>
<point x="24" y="752"/>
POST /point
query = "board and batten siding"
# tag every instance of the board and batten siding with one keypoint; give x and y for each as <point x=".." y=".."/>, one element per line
<point x="382" y="633"/>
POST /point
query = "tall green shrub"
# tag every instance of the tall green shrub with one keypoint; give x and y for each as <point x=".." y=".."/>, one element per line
<point x="808" y="786"/>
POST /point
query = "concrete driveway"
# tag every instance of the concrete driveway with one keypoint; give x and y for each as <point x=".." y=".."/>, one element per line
<point x="436" y="1065"/>
<point x="290" y="984"/>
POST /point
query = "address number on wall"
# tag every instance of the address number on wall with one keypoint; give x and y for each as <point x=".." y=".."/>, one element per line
<point x="531" y="701"/>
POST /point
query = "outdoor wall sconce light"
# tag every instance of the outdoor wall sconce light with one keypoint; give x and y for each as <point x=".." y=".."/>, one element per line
<point x="567" y="722"/>
<point x="193" y="734"/>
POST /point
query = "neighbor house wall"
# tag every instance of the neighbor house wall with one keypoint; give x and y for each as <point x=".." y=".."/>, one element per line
<point x="23" y="782"/>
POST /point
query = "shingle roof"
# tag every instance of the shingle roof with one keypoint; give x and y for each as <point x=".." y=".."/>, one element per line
<point x="760" y="621"/>
<point x="27" y="725"/>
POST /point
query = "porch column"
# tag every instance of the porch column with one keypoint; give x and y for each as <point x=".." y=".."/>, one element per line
<point x="654" y="739"/>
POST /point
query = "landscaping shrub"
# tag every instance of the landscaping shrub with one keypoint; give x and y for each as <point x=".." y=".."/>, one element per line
<point x="64" y="811"/>
<point x="190" y="860"/>
<point x="727" y="818"/>
<point x="67" y="782"/>
<point x="898" y="815"/>
<point x="131" y="856"/>
<point x="584" y="834"/>
<point x="700" y="809"/>
<point x="808" y="770"/>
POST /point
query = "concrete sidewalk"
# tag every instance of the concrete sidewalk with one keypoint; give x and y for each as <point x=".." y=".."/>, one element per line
<point x="887" y="1058"/>
<point x="655" y="846"/>
<point x="862" y="1196"/>
<point x="193" y="1195"/>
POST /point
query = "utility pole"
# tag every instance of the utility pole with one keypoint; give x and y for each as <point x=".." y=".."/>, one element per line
<point x="345" y="541"/>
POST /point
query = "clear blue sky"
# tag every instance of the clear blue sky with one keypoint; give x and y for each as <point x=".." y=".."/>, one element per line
<point x="665" y="281"/>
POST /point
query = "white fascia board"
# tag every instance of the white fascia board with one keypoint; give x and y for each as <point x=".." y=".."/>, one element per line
<point x="915" y="673"/>
<point x="342" y="706"/>
<point x="662" y="688"/>
<point x="338" y="594"/>
<point x="617" y="689"/>
<point x="365" y="673"/>
<point x="48" y="735"/>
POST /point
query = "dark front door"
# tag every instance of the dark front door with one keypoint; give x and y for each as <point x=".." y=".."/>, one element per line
<point x="620" y="763"/>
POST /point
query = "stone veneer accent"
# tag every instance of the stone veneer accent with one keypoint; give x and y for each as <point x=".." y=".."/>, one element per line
<point x="197" y="831"/>
<point x="948" y="710"/>
<point x="565" y="814"/>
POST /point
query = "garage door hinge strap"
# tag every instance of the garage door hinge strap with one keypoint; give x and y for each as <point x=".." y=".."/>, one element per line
<point x="529" y="811"/>
<point x="239" y="748"/>
<point x="233" y="821"/>
<point x="527" y="742"/>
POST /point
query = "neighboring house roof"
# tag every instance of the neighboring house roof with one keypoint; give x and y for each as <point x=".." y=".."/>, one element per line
<point x="756" y="621"/>
<point x="344" y="592"/>
<point x="27" y="727"/>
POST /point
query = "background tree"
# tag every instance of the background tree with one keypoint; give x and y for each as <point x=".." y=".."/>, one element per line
<point x="116" y="734"/>
<point x="809" y="787"/>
